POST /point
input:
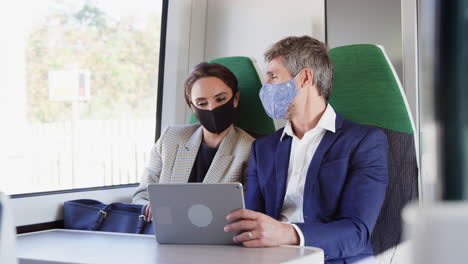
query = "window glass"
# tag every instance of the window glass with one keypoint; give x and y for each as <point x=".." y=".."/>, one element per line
<point x="80" y="105"/>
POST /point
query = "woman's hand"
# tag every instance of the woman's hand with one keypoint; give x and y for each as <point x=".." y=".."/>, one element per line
<point x="148" y="215"/>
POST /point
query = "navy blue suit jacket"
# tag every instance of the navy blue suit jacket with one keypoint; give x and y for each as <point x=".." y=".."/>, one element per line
<point x="344" y="190"/>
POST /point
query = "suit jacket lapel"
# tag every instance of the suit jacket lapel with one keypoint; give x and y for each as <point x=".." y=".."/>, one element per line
<point x="323" y="147"/>
<point x="222" y="158"/>
<point x="282" y="155"/>
<point x="185" y="158"/>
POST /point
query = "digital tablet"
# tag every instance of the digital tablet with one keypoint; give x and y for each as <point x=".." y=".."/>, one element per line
<point x="194" y="213"/>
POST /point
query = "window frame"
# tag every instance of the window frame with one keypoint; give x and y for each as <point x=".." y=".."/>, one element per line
<point x="45" y="207"/>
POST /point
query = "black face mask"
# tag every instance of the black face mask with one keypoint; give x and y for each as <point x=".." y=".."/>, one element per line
<point x="218" y="119"/>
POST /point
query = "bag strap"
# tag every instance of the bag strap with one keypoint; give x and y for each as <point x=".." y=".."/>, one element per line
<point x="101" y="216"/>
<point x="141" y="220"/>
<point x="104" y="211"/>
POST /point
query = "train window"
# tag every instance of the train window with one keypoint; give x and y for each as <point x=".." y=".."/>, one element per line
<point x="83" y="93"/>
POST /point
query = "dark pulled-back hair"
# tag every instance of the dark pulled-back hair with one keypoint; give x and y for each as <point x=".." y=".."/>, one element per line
<point x="206" y="69"/>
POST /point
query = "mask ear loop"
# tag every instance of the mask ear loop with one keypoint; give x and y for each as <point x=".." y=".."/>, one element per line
<point x="294" y="80"/>
<point x="193" y="108"/>
<point x="313" y="81"/>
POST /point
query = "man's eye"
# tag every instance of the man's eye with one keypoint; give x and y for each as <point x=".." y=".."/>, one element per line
<point x="220" y="99"/>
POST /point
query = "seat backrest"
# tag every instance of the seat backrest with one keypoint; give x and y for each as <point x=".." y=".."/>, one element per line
<point x="366" y="90"/>
<point x="252" y="116"/>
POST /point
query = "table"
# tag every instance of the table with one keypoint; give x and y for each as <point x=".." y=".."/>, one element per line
<point x="76" y="246"/>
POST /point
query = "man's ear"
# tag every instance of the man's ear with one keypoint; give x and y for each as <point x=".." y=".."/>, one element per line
<point x="308" y="78"/>
<point x="236" y="99"/>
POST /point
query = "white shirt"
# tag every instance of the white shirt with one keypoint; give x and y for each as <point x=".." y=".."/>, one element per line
<point x="302" y="152"/>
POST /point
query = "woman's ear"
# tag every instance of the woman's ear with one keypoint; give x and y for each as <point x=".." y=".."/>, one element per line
<point x="236" y="99"/>
<point x="192" y="107"/>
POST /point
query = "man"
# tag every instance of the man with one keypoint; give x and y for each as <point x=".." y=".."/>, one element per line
<point x="321" y="180"/>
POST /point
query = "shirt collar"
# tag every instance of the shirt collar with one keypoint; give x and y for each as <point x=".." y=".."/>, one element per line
<point x="327" y="122"/>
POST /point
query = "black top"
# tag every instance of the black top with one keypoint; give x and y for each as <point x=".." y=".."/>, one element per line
<point x="202" y="163"/>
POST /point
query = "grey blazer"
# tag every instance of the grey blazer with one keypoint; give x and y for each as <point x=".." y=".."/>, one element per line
<point x="173" y="155"/>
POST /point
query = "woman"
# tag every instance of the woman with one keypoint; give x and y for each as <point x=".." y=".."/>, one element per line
<point x="210" y="152"/>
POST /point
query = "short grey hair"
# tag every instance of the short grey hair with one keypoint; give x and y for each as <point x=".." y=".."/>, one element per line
<point x="298" y="53"/>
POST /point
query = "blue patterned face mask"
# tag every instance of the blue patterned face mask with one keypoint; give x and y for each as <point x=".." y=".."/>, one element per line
<point x="276" y="98"/>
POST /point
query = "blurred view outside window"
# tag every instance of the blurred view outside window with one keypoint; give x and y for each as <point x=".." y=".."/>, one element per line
<point x="79" y="100"/>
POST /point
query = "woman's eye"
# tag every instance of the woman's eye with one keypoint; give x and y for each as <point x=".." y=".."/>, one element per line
<point x="201" y="104"/>
<point x="220" y="99"/>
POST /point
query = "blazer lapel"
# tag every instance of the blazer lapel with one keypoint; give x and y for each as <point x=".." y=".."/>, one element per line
<point x="323" y="147"/>
<point x="185" y="158"/>
<point x="222" y="158"/>
<point x="282" y="156"/>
